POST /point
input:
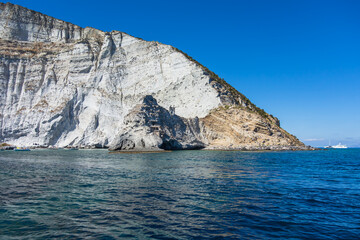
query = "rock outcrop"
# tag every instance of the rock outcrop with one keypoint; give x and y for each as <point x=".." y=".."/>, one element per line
<point x="63" y="85"/>
<point x="150" y="126"/>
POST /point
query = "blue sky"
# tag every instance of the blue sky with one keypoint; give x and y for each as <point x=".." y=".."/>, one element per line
<point x="299" y="60"/>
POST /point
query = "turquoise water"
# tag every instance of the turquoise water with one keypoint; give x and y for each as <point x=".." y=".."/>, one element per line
<point x="180" y="195"/>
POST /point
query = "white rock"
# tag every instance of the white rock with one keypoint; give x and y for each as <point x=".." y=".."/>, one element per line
<point x="64" y="85"/>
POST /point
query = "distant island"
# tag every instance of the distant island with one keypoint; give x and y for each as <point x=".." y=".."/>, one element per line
<point x="67" y="86"/>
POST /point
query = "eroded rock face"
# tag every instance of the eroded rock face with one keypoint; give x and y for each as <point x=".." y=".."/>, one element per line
<point x="63" y="85"/>
<point x="150" y="126"/>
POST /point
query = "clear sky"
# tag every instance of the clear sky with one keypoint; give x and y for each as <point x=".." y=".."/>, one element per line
<point x="297" y="59"/>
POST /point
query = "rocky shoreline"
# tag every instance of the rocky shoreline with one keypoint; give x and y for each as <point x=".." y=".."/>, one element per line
<point x="5" y="146"/>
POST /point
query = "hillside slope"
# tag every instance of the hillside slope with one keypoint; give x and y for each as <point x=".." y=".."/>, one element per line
<point x="63" y="85"/>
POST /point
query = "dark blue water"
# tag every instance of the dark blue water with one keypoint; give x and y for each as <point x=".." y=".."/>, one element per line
<point x="180" y="195"/>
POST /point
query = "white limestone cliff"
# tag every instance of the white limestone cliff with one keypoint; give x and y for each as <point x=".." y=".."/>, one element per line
<point x="63" y="85"/>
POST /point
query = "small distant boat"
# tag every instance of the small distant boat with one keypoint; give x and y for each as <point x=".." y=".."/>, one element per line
<point x="21" y="149"/>
<point x="340" y="146"/>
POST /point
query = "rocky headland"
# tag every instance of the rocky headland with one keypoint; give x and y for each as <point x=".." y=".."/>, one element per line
<point x="66" y="86"/>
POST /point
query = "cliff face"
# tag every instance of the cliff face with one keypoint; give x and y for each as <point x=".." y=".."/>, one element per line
<point x="63" y="85"/>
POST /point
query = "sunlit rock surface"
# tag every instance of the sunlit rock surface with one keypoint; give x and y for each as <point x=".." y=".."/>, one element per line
<point x="63" y="85"/>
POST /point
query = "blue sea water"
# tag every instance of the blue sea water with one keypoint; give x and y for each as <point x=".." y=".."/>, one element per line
<point x="91" y="194"/>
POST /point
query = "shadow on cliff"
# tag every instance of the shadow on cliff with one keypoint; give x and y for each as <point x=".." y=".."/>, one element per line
<point x="68" y="120"/>
<point x="149" y="127"/>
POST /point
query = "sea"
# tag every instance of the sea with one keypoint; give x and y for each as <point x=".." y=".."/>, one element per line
<point x="94" y="194"/>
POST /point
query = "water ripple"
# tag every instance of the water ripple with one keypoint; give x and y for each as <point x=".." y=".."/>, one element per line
<point x="180" y="195"/>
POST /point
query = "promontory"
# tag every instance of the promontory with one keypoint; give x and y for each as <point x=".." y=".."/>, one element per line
<point x="62" y="85"/>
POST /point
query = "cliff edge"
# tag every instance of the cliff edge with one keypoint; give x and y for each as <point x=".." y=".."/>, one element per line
<point x="63" y="85"/>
